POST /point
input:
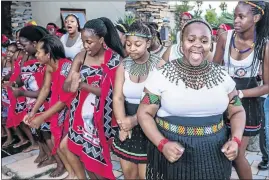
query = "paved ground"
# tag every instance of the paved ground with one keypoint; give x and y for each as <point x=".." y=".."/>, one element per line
<point x="21" y="166"/>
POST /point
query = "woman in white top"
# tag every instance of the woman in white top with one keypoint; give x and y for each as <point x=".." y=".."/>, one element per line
<point x="72" y="39"/>
<point x="130" y="142"/>
<point x="242" y="51"/>
<point x="181" y="113"/>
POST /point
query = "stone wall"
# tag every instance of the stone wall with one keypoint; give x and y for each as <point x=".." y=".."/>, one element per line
<point x="21" y="13"/>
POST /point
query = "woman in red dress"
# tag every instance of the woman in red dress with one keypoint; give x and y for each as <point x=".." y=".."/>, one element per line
<point x="91" y="78"/>
<point x="50" y="51"/>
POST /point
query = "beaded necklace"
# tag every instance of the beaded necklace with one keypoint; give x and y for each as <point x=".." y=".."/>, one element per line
<point x="195" y="77"/>
<point x="246" y="50"/>
<point x="136" y="69"/>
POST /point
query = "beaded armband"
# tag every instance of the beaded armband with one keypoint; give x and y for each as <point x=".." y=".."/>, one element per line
<point x="151" y="99"/>
<point x="236" y="101"/>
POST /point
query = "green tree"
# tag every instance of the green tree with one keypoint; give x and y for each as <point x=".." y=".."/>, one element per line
<point x="198" y="11"/>
<point x="184" y="6"/>
<point x="211" y="16"/>
<point x="128" y="19"/>
<point x="223" y="7"/>
<point x="179" y="9"/>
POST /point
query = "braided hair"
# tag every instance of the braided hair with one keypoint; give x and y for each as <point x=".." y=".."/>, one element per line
<point x="195" y="21"/>
<point x="53" y="45"/>
<point x="262" y="30"/>
<point x="123" y="28"/>
<point x="153" y="27"/>
<point x="103" y="27"/>
<point x="140" y="28"/>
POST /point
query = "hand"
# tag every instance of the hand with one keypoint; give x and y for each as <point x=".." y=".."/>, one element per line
<point x="37" y="121"/>
<point x="75" y="82"/>
<point x="173" y="151"/>
<point x="230" y="150"/>
<point x="28" y="118"/>
<point x="123" y="135"/>
<point x="17" y="92"/>
<point x="127" y="123"/>
<point x="7" y="84"/>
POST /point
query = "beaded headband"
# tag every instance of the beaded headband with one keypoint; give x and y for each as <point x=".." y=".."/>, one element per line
<point x="256" y="6"/>
<point x="124" y="29"/>
<point x="138" y="35"/>
<point x="199" y="21"/>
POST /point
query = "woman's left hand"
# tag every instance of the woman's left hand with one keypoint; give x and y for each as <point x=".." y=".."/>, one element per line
<point x="17" y="92"/>
<point x="230" y="150"/>
<point x="37" y="121"/>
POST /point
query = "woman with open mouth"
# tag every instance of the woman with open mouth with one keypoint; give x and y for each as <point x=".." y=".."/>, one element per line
<point x="188" y="137"/>
<point x="72" y="39"/>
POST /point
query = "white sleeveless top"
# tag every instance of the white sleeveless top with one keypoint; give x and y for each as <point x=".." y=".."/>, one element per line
<point x="242" y="68"/>
<point x="177" y="100"/>
<point x="71" y="52"/>
<point x="175" y="53"/>
<point x="132" y="91"/>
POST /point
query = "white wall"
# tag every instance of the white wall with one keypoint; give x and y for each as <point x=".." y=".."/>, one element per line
<point x="45" y="12"/>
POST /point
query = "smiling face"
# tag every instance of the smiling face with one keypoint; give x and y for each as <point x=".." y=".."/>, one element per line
<point x="136" y="47"/>
<point x="71" y="24"/>
<point x="244" y="18"/>
<point x="196" y="43"/>
<point x="91" y="42"/>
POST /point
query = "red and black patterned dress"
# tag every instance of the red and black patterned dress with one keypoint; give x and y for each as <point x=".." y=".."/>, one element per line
<point x="92" y="123"/>
<point x="32" y="75"/>
<point x="59" y="121"/>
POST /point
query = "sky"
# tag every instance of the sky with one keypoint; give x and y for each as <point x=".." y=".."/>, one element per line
<point x="214" y="4"/>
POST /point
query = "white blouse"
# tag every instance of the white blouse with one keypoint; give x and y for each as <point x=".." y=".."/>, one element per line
<point x="132" y="91"/>
<point x="177" y="100"/>
<point x="71" y="52"/>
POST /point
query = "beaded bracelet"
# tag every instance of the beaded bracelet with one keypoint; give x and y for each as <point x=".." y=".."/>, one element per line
<point x="162" y="143"/>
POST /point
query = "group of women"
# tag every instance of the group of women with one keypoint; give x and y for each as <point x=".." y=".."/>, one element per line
<point x="115" y="87"/>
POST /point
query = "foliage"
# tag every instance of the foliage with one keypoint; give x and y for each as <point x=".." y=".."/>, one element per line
<point x="211" y="17"/>
<point x="179" y="9"/>
<point x="128" y="19"/>
<point x="198" y="11"/>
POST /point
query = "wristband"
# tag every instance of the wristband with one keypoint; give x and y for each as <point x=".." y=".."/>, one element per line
<point x="162" y="143"/>
<point x="238" y="141"/>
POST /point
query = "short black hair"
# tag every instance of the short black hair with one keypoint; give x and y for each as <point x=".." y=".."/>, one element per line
<point x="53" y="45"/>
<point x="33" y="33"/>
<point x="195" y="21"/>
<point x="140" y="28"/>
<point x="52" y="24"/>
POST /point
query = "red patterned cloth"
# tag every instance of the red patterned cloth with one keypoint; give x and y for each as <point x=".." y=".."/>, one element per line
<point x="58" y="122"/>
<point x="92" y="123"/>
